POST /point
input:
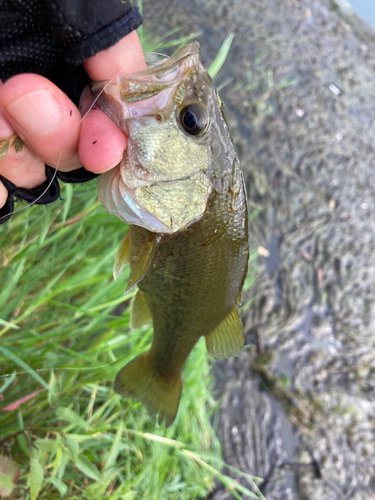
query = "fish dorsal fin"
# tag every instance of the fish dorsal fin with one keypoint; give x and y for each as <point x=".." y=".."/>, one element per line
<point x="140" y="313"/>
<point x="140" y="266"/>
<point x="226" y="339"/>
<point x="122" y="256"/>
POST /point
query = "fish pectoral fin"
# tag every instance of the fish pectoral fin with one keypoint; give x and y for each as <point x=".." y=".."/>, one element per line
<point x="140" y="313"/>
<point x="122" y="256"/>
<point x="141" y="265"/>
<point x="226" y="340"/>
<point x="137" y="381"/>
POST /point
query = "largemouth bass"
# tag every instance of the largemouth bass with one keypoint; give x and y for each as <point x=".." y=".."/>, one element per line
<point x="180" y="189"/>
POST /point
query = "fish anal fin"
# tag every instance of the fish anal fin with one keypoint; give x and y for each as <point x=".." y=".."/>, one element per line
<point x="137" y="381"/>
<point x="122" y="255"/>
<point x="140" y="266"/>
<point x="226" y="340"/>
<point x="140" y="313"/>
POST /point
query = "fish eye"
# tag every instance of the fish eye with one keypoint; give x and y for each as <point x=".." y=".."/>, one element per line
<point x="193" y="119"/>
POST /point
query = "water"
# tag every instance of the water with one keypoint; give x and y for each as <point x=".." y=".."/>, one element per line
<point x="364" y="9"/>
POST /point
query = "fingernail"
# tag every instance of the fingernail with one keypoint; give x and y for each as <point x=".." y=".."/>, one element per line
<point x="38" y="112"/>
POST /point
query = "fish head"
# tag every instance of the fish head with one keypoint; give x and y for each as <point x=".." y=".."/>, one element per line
<point x="177" y="143"/>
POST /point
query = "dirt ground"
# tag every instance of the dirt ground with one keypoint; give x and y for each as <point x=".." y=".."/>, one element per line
<point x="298" y="404"/>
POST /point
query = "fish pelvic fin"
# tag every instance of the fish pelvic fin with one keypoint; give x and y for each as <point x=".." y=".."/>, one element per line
<point x="140" y="267"/>
<point x="122" y="256"/>
<point x="140" y="313"/>
<point x="226" y="340"/>
<point x="137" y="381"/>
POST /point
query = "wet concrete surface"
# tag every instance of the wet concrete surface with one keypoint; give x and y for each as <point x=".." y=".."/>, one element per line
<point x="298" y="404"/>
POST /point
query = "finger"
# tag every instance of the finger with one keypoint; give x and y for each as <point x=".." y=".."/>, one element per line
<point x="44" y="117"/>
<point x="102" y="144"/>
<point x="20" y="167"/>
<point x="121" y="59"/>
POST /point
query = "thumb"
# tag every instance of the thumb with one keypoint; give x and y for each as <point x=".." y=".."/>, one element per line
<point x="121" y="59"/>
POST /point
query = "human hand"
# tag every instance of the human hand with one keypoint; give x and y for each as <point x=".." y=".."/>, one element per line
<point x="50" y="127"/>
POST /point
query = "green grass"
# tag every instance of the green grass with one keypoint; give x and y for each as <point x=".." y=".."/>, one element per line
<point x="64" y="334"/>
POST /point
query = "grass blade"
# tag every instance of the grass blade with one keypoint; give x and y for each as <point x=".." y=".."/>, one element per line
<point x="88" y="468"/>
<point x="219" y="60"/>
<point x="114" y="451"/>
<point x="9" y="354"/>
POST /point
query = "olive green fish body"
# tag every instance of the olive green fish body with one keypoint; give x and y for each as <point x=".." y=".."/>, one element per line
<point x="194" y="280"/>
<point x="180" y="189"/>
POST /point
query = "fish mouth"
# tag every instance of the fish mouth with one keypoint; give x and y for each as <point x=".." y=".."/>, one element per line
<point x="131" y="96"/>
<point x="163" y="75"/>
<point x="171" y="181"/>
<point x="157" y="76"/>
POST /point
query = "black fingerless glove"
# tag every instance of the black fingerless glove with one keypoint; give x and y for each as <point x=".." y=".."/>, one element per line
<point x="52" y="38"/>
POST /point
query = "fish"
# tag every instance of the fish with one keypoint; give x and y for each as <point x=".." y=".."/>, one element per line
<point x="180" y="189"/>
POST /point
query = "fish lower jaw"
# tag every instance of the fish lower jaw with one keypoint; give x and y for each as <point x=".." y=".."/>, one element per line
<point x="176" y="203"/>
<point x="163" y="206"/>
<point x="119" y="199"/>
